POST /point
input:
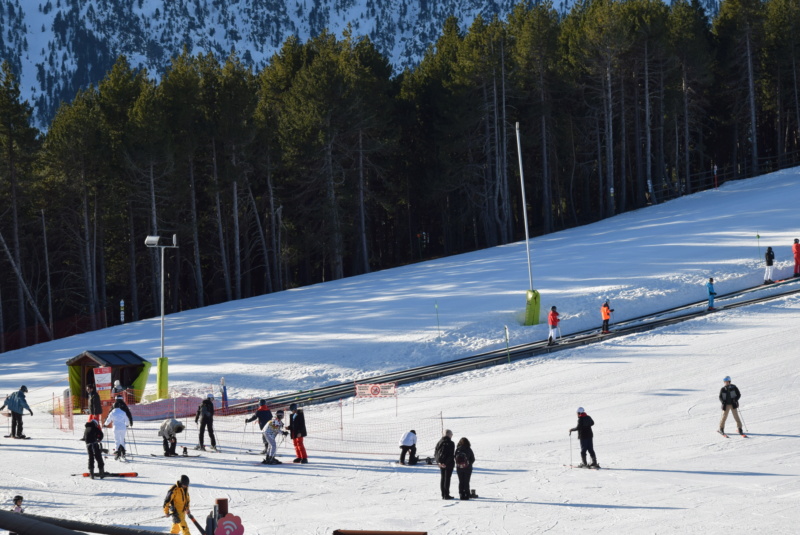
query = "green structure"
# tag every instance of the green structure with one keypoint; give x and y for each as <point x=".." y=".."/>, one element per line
<point x="532" y="306"/>
<point x="127" y="367"/>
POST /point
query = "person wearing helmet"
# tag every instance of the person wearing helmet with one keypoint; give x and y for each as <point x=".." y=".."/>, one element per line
<point x="796" y="253"/>
<point x="297" y="428"/>
<point x="273" y="429"/>
<point x="552" y="321"/>
<point x="93" y="436"/>
<point x="16" y="403"/>
<point x="119" y="419"/>
<point x="263" y="415"/>
<point x="729" y="396"/>
<point x="17" y="509"/>
<point x="605" y="313"/>
<point x="205" y="414"/>
<point x="168" y="431"/>
<point x="176" y="505"/>
<point x="586" y="438"/>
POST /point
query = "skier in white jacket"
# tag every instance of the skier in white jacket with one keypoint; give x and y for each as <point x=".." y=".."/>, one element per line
<point x="408" y="445"/>
<point x="271" y="430"/>
<point x="120" y="420"/>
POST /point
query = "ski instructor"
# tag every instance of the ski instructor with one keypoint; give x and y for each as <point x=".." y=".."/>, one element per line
<point x="16" y="404"/>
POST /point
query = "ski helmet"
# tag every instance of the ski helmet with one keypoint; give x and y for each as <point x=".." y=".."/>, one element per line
<point x="413" y="431"/>
<point x="796" y="240"/>
<point x="17" y="498"/>
<point x="279" y="414"/>
<point x="262" y="401"/>
<point x="116" y="383"/>
<point x="210" y="396"/>
<point x="580" y="410"/>
<point x="553" y="308"/>
<point x="23" y="388"/>
<point x="727" y="379"/>
<point x="293" y="407"/>
<point x="185" y="481"/>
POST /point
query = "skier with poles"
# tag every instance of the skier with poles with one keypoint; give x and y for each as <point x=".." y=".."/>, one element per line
<point x="711" y="293"/>
<point x="605" y="312"/>
<point x="297" y="429"/>
<point x="119" y="419"/>
<point x="205" y="413"/>
<point x="16" y="403"/>
<point x="176" y="505"/>
<point x="169" y="430"/>
<point x="729" y="396"/>
<point x="586" y="437"/>
<point x="93" y="436"/>
<point x="263" y="415"/>
<point x="271" y="430"/>
<point x="552" y="321"/>
<point x="769" y="258"/>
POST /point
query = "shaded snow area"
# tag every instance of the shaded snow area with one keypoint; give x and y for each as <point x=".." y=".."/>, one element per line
<point x="653" y="395"/>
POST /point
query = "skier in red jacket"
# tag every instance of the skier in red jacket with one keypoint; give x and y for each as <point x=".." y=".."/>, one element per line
<point x="552" y="321"/>
<point x="796" y="252"/>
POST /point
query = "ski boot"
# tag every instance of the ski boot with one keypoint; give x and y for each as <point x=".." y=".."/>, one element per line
<point x="473" y="494"/>
<point x="299" y="460"/>
<point x="91" y="473"/>
<point x="304" y="461"/>
<point x="200" y="447"/>
<point x="215" y="449"/>
<point x="102" y="473"/>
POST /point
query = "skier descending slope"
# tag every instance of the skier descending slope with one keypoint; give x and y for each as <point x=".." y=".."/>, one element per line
<point x="586" y="437"/>
<point x="270" y="432"/>
<point x="120" y="420"/>
<point x="729" y="396"/>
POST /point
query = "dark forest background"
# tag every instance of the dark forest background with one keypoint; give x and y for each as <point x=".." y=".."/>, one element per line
<point x="326" y="164"/>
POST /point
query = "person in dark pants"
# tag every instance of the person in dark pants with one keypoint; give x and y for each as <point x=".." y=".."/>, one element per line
<point x="445" y="458"/>
<point x="95" y="407"/>
<point x="297" y="430"/>
<point x="711" y="293"/>
<point x="729" y="396"/>
<point x="408" y="445"/>
<point x="169" y="432"/>
<point x="585" y="435"/>
<point x="769" y="259"/>
<point x="205" y="413"/>
<point x="264" y="415"/>
<point x="464" y="459"/>
<point x="16" y="403"/>
<point x="93" y="436"/>
<point x="605" y="312"/>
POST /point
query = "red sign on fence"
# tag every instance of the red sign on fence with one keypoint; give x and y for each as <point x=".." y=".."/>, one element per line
<point x="382" y="390"/>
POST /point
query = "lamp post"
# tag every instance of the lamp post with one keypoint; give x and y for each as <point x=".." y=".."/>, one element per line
<point x="162" y="373"/>
<point x="532" y="298"/>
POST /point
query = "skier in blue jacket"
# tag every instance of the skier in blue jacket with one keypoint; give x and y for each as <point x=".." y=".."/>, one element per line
<point x="16" y="404"/>
<point x="711" y="293"/>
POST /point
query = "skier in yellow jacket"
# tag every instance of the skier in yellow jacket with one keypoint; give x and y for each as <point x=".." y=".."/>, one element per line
<point x="176" y="504"/>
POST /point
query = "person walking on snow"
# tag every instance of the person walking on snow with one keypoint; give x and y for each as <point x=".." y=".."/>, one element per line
<point x="93" y="436"/>
<point x="205" y="413"/>
<point x="273" y="429"/>
<point x="176" y="505"/>
<point x="408" y="445"/>
<point x="729" y="396"/>
<point x="464" y="459"/>
<point x="605" y="312"/>
<point x="297" y="429"/>
<point x="16" y="403"/>
<point x="120" y="420"/>
<point x="445" y="458"/>
<point x="796" y="253"/>
<point x="168" y="431"/>
<point x="94" y="401"/>
<point x="264" y="415"/>
<point x="711" y="293"/>
<point x="769" y="257"/>
<point x="586" y="438"/>
<point x="552" y="321"/>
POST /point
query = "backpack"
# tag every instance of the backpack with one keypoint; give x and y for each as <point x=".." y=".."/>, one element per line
<point x="462" y="461"/>
<point x="437" y="453"/>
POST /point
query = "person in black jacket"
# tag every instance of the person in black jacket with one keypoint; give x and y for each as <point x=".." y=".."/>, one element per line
<point x="94" y="401"/>
<point x="729" y="396"/>
<point x="464" y="459"/>
<point x="205" y="413"/>
<point x="445" y="458"/>
<point x="297" y="429"/>
<point x="93" y="436"/>
<point x="769" y="258"/>
<point x="264" y="415"/>
<point x="586" y="437"/>
<point x="119" y="403"/>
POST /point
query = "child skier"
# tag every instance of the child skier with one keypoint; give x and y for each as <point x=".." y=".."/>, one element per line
<point x="17" y="509"/>
<point x="585" y="435"/>
<point x="205" y="413"/>
<point x="552" y="321"/>
<point x="176" y="505"/>
<point x="272" y="430"/>
<point x="120" y="420"/>
<point x="93" y="436"/>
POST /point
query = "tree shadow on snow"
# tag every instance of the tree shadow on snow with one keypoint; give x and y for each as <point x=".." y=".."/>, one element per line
<point x="768" y="435"/>
<point x="587" y="505"/>
<point x="701" y="472"/>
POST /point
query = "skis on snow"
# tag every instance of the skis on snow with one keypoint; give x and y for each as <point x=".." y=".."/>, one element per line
<point x="110" y="474"/>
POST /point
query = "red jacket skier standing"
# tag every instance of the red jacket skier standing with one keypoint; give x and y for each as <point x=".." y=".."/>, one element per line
<point x="552" y="321"/>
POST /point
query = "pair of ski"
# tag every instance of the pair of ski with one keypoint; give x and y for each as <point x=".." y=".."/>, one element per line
<point x="110" y="474"/>
<point x="726" y="435"/>
<point x="588" y="467"/>
<point x="178" y="456"/>
<point x="17" y="438"/>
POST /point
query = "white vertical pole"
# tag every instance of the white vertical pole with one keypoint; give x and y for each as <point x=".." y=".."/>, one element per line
<point x="524" y="209"/>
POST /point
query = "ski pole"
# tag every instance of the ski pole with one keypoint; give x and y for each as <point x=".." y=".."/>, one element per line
<point x="570" y="449"/>
<point x="244" y="433"/>
<point x="741" y="415"/>
<point x="199" y="527"/>
<point x="133" y="436"/>
<point x="159" y="517"/>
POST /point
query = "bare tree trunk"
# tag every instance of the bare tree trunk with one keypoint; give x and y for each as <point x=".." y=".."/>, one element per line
<point x="222" y="249"/>
<point x="547" y="198"/>
<point x="2" y="327"/>
<point x="751" y="87"/>
<point x="362" y="217"/>
<point x="337" y="259"/>
<point x="47" y="274"/>
<point x="601" y="190"/>
<point x="274" y="231"/>
<point x="647" y="126"/>
<point x="22" y="322"/>
<point x="623" y="157"/>
<point x="686" y="141"/>
<point x="237" y="250"/>
<point x="610" y="143"/>
<point x="26" y="292"/>
<point x="641" y="188"/>
<point x="154" y="254"/>
<point x="796" y="99"/>
<point x="134" y="299"/>
<point x="263" y="240"/>
<point x="507" y="219"/>
<point x="86" y="259"/>
<point x="198" y="271"/>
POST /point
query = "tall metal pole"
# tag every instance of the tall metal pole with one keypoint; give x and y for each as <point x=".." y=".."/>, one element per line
<point x="162" y="366"/>
<point x="524" y="209"/>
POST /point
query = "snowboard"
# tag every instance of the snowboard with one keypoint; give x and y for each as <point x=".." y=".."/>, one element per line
<point x="110" y="474"/>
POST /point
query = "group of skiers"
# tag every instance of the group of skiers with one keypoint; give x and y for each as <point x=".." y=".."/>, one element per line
<point x="271" y="427"/>
<point x="769" y="260"/>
